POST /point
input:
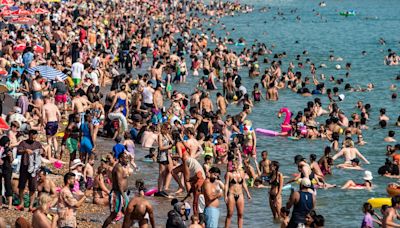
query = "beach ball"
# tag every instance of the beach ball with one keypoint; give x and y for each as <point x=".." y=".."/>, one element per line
<point x="235" y="98"/>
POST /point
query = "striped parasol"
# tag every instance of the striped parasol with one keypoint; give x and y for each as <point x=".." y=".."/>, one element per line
<point x="47" y="72"/>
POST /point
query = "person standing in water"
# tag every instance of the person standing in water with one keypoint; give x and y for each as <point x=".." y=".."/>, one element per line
<point x="212" y="192"/>
<point x="139" y="210"/>
<point x="234" y="197"/>
<point x="275" y="192"/>
<point x="303" y="202"/>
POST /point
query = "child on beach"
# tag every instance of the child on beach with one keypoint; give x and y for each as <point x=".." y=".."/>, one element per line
<point x="130" y="148"/>
<point x="88" y="173"/>
<point x="118" y="147"/>
<point x="152" y="155"/>
<point x="207" y="164"/>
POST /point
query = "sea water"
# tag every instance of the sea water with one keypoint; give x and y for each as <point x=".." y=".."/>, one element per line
<point x="328" y="33"/>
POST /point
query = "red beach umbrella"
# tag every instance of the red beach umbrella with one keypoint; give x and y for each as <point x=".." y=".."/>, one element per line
<point x="19" y="47"/>
<point x="21" y="12"/>
<point x="40" y="11"/>
<point x="7" y="2"/>
<point x="3" y="124"/>
<point x="23" y="21"/>
<point x="38" y="49"/>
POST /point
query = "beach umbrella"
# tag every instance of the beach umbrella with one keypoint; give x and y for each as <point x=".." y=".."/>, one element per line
<point x="38" y="49"/>
<point x="47" y="72"/>
<point x="3" y="124"/>
<point x="6" y="2"/>
<point x="6" y="12"/>
<point x="23" y="21"/>
<point x="3" y="72"/>
<point x="19" y="47"/>
<point x="40" y="11"/>
<point x="21" y="12"/>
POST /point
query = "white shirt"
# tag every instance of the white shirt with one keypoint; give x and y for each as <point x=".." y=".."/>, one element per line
<point x="243" y="89"/>
<point x="95" y="77"/>
<point x="147" y="96"/>
<point x="77" y="69"/>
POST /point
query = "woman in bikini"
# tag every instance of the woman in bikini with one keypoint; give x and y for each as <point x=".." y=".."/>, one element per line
<point x="97" y="112"/>
<point x="181" y="154"/>
<point x="275" y="193"/>
<point x="367" y="185"/>
<point x="165" y="144"/>
<point x="221" y="149"/>
<point x="234" y="197"/>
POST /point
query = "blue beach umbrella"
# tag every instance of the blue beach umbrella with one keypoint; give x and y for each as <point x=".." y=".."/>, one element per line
<point x="47" y="72"/>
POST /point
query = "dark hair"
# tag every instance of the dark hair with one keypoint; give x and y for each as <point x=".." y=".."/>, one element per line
<point x="391" y="133"/>
<point x="382" y="123"/>
<point x="207" y="158"/>
<point x="285" y="211"/>
<point x="214" y="170"/>
<point x="319" y="220"/>
<point x="68" y="176"/>
<point x="313" y="157"/>
<point x="276" y="164"/>
<point x="139" y="184"/>
<point x="395" y="200"/>
<point x="4" y="140"/>
<point x="367" y="207"/>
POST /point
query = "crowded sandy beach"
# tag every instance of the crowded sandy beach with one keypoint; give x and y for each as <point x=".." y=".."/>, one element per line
<point x="167" y="113"/>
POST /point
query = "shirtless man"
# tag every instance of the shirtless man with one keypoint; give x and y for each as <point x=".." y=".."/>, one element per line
<point x="206" y="104"/>
<point x="192" y="144"/>
<point x="118" y="197"/>
<point x="149" y="138"/>
<point x="158" y="98"/>
<point x="221" y="103"/>
<point x="264" y="164"/>
<point x="212" y="192"/>
<point x="272" y="92"/>
<point x="391" y="214"/>
<point x="195" y="99"/>
<point x="51" y="116"/>
<point x="79" y="105"/>
<point x="136" y="210"/>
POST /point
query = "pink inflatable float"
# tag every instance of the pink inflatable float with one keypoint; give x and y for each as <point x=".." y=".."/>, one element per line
<point x="285" y="126"/>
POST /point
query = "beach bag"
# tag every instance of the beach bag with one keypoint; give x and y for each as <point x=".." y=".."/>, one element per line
<point x="162" y="156"/>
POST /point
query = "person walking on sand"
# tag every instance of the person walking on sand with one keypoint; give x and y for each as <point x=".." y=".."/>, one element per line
<point x="118" y="197"/>
<point x="51" y="117"/>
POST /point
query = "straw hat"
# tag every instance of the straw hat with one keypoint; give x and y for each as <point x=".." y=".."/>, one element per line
<point x="368" y="175"/>
<point x="75" y="163"/>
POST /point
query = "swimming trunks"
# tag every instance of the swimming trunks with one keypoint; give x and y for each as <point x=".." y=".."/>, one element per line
<point x="61" y="98"/>
<point x="248" y="150"/>
<point x="118" y="201"/>
<point x="37" y="95"/>
<point x="212" y="217"/>
<point x="72" y="145"/>
<point x="51" y="128"/>
<point x="89" y="182"/>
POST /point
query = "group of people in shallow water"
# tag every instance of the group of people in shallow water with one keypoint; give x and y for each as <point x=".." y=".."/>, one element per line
<point x="192" y="138"/>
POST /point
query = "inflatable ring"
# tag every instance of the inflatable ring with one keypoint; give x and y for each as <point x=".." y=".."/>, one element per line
<point x="151" y="192"/>
<point x="379" y="202"/>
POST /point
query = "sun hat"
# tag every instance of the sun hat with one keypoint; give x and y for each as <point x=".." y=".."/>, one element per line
<point x="75" y="163"/>
<point x="341" y="97"/>
<point x="368" y="175"/>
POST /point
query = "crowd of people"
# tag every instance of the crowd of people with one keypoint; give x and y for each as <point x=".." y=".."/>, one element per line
<point x="100" y="48"/>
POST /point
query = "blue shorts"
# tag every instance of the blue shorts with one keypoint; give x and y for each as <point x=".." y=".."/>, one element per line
<point x="212" y="217"/>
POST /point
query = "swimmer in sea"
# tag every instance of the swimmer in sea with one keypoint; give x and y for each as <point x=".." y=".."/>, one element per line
<point x="367" y="185"/>
<point x="355" y="164"/>
<point x="390" y="137"/>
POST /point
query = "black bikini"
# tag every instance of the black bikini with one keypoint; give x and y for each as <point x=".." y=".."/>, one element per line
<point x="233" y="181"/>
